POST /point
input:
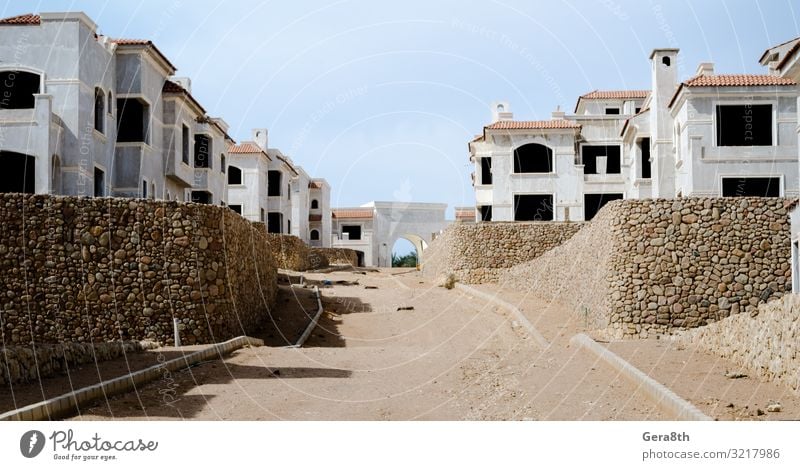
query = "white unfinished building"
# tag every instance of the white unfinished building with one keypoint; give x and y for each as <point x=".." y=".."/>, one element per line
<point x="711" y="135"/>
<point x="101" y="117"/>
<point x="264" y="185"/>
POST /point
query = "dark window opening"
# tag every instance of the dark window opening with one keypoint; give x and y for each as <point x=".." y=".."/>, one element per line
<point x="314" y="204"/>
<point x="274" y="222"/>
<point x="315" y="235"/>
<point x="665" y="61"/>
<point x="353" y="231"/>
<point x="222" y="163"/>
<point x="262" y="215"/>
<point x="201" y="197"/>
<point x="234" y="175"/>
<point x="17" y="89"/>
<point x="751" y="187"/>
<point x="236" y="208"/>
<point x="185" y="144"/>
<point x="144" y="189"/>
<point x="99" y="110"/>
<point x="486" y="170"/>
<point x="645" y="163"/>
<point x="133" y="117"/>
<point x="744" y="125"/>
<point x="110" y="103"/>
<point x="533" y="207"/>
<point x="533" y="158"/>
<point x="486" y="213"/>
<point x="638" y="110"/>
<point x="273" y="183"/>
<point x="202" y="151"/>
<point x="99" y="182"/>
<point x="592" y="203"/>
<point x="589" y="154"/>
<point x="18" y="175"/>
<point x="612" y="110"/>
<point x="288" y="226"/>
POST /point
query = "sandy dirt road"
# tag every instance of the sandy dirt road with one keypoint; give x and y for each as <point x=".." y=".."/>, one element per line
<point x="395" y="347"/>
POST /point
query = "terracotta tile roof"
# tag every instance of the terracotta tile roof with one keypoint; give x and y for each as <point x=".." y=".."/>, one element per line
<point x="732" y="81"/>
<point x="176" y="88"/>
<point x="551" y="124"/>
<point x="144" y="43"/>
<point x="247" y="147"/>
<point x="739" y="80"/>
<point x="314" y="217"/>
<point x="352" y="213"/>
<point x="314" y="185"/>
<point x="615" y="95"/>
<point x="465" y="214"/>
<point x="26" y="19"/>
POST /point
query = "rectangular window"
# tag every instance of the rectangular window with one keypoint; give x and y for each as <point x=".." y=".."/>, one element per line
<point x="236" y="208"/>
<point x="288" y="226"/>
<point x="273" y="183"/>
<point x="201" y="197"/>
<point x="486" y="170"/>
<point x="274" y="222"/>
<point x="263" y="216"/>
<point x="590" y="154"/>
<point x="133" y="120"/>
<point x="744" y="125"/>
<point x="751" y="187"/>
<point x="353" y="231"/>
<point x="612" y="110"/>
<point x="185" y="145"/>
<point x="644" y="151"/>
<point x="144" y="189"/>
<point x="99" y="182"/>
<point x="533" y="207"/>
<point x="202" y="151"/>
<point x="592" y="203"/>
<point x="486" y="213"/>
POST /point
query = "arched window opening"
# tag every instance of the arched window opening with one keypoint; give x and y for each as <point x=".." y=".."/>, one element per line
<point x="315" y="235"/>
<point x="314" y="204"/>
<point x="17" y="89"/>
<point x="533" y="158"/>
<point x="234" y="175"/>
<point x="99" y="110"/>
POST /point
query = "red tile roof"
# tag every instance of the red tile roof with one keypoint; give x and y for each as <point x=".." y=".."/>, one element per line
<point x="144" y="43"/>
<point x="352" y="213"/>
<point x="314" y="217"/>
<point x="176" y="88"/>
<point x="615" y="95"/>
<point x="732" y="80"/>
<point x="551" y="124"/>
<point x="739" y="80"/>
<point x="314" y="185"/>
<point x="465" y="214"/>
<point x="26" y="19"/>
<point x="247" y="147"/>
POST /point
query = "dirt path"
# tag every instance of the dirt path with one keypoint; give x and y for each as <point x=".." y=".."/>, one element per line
<point x="396" y="347"/>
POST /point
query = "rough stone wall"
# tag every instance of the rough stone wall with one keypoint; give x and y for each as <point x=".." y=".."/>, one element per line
<point x="479" y="253"/>
<point x="339" y="256"/>
<point x="765" y="344"/>
<point x="106" y="269"/>
<point x="650" y="266"/>
<point x="290" y="252"/>
<point x="27" y="364"/>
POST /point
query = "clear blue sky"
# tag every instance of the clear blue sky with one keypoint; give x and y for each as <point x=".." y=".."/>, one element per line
<point x="381" y="98"/>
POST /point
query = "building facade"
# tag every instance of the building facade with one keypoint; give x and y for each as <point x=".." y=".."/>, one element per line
<point x="711" y="135"/>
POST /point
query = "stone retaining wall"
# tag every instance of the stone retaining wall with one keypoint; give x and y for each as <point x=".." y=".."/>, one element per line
<point x="290" y="252"/>
<point x="479" y="253"/>
<point x="765" y="344"/>
<point x="335" y="256"/>
<point x="106" y="269"/>
<point x="29" y="364"/>
<point x="650" y="266"/>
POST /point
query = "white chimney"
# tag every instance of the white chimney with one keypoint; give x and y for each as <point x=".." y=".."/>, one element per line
<point x="185" y="82"/>
<point x="501" y="111"/>
<point x="558" y="114"/>
<point x="260" y="138"/>
<point x="706" y="68"/>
